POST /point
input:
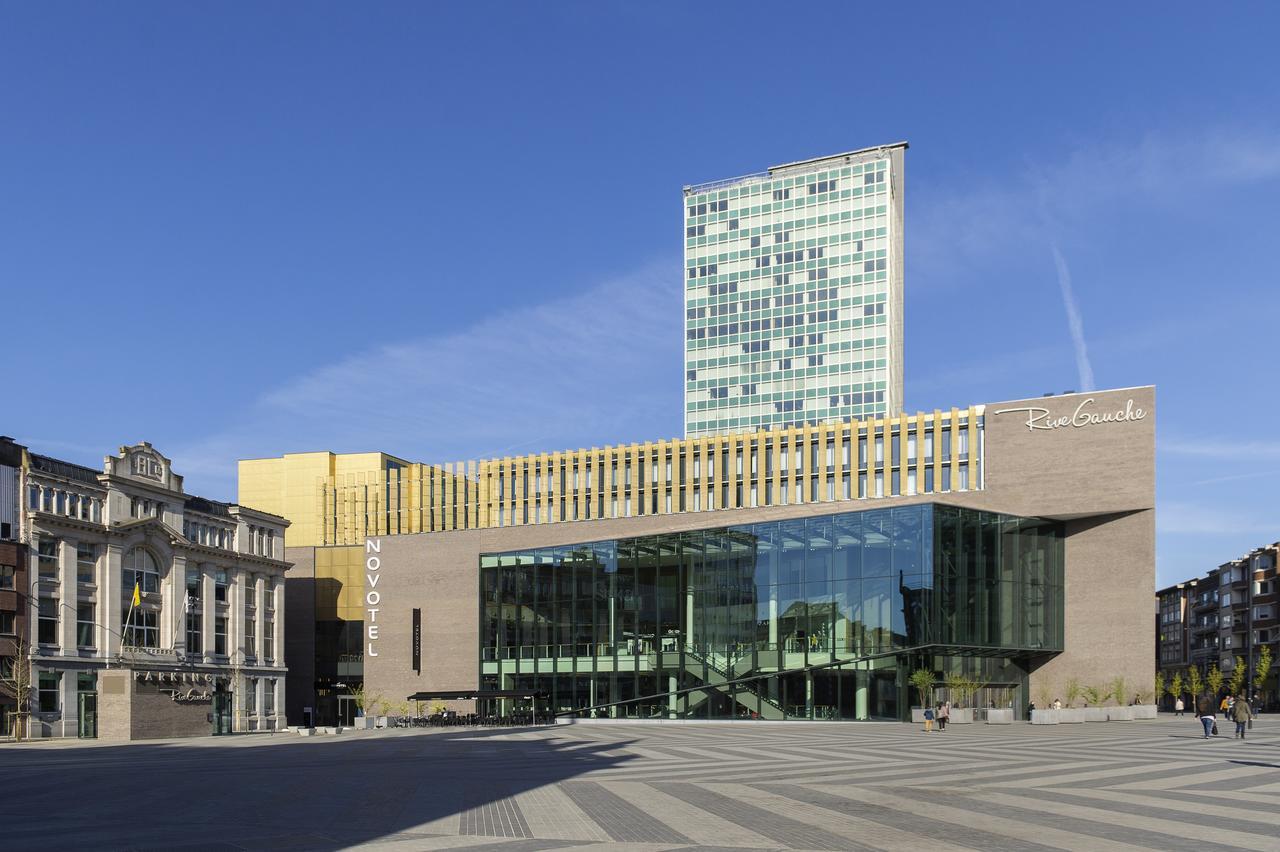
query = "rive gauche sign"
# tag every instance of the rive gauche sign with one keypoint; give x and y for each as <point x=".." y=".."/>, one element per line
<point x="372" y="597"/>
<point x="1086" y="414"/>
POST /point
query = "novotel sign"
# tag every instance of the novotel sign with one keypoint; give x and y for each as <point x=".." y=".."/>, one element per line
<point x="1086" y="414"/>
<point x="372" y="597"/>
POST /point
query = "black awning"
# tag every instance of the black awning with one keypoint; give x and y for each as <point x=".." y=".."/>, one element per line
<point x="476" y="695"/>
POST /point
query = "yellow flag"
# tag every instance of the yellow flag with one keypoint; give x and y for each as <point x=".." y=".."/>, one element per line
<point x="137" y="598"/>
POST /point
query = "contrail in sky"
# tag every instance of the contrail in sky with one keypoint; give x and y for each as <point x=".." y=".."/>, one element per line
<point x="1074" y="322"/>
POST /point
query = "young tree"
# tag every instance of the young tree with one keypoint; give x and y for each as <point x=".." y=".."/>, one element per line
<point x="358" y="697"/>
<point x="1264" y="668"/>
<point x="1119" y="690"/>
<point x="1195" y="682"/>
<point x="1214" y="680"/>
<point x="1159" y="686"/>
<point x="17" y="682"/>
<point x="1236" y="681"/>
<point x="1093" y="695"/>
<point x="1073" y="691"/>
<point x="1175" y="686"/>
<point x="922" y="680"/>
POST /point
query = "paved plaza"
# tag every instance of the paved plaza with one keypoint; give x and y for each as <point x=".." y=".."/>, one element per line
<point x="1139" y="785"/>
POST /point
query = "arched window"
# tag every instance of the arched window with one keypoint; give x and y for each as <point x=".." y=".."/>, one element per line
<point x="140" y="567"/>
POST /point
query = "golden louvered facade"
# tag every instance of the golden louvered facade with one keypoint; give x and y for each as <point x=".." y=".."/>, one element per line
<point x="918" y="453"/>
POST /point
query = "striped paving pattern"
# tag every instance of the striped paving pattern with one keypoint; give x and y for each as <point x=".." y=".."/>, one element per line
<point x="1124" y="786"/>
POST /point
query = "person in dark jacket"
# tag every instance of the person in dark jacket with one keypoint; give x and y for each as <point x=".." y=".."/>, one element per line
<point x="1206" y="709"/>
<point x="1241" y="713"/>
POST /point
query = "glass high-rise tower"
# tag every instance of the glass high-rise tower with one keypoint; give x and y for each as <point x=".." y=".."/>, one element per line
<point x="793" y="294"/>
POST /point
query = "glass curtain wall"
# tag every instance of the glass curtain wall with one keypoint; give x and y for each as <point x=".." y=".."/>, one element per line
<point x="810" y="618"/>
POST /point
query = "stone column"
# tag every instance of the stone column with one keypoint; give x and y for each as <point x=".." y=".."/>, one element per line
<point x="110" y="618"/>
<point x="68" y="699"/>
<point x="68" y="595"/>
<point x="235" y="615"/>
<point x="278" y="594"/>
<point x="260" y="617"/>
<point x="208" y="610"/>
<point x="174" y="613"/>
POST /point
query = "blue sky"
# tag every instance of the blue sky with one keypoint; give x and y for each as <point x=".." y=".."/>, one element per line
<point x="450" y="232"/>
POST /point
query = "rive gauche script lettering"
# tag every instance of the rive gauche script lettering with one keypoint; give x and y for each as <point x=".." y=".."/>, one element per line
<point x="1086" y="414"/>
<point x="372" y="597"/>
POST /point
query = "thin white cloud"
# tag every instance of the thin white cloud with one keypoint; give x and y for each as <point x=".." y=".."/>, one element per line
<point x="1074" y="323"/>
<point x="976" y="225"/>
<point x="1216" y="448"/>
<point x="1257" y="474"/>
<point x="600" y="367"/>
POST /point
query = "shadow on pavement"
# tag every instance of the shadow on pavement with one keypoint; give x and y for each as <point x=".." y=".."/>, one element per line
<point x="319" y="793"/>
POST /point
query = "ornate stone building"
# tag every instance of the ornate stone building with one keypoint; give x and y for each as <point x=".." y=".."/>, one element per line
<point x="199" y="649"/>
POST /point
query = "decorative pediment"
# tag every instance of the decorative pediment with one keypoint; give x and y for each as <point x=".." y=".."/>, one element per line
<point x="152" y="526"/>
<point x="143" y="463"/>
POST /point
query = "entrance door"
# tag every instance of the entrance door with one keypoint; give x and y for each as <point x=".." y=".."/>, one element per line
<point x="346" y="710"/>
<point x="221" y="713"/>
<point x="88" y="717"/>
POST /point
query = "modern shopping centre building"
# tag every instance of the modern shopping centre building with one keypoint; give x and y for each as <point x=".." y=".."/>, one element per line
<point x="798" y="573"/>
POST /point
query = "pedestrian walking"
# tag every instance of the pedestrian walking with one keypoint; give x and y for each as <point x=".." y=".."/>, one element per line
<point x="1205" y="706"/>
<point x="1241" y="713"/>
<point x="928" y="720"/>
<point x="944" y="715"/>
<point x="1178" y="707"/>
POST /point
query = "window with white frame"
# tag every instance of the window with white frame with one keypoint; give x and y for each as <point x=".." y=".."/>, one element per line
<point x="47" y="626"/>
<point x="269" y="697"/>
<point x="250" y="637"/>
<point x="195" y="625"/>
<point x="142" y="570"/>
<point x="47" y="558"/>
<point x="142" y="628"/>
<point x="86" y="563"/>
<point x="47" y="691"/>
<point x="250" y="695"/>
<point x="269" y="641"/>
<point x="84" y="625"/>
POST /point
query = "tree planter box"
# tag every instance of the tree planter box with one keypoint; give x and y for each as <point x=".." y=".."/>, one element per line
<point x="306" y="732"/>
<point x="1044" y="717"/>
<point x="1144" y="711"/>
<point x="1119" y="714"/>
<point x="1070" y="715"/>
<point x="1000" y="716"/>
<point x="1095" y="714"/>
<point x="363" y="723"/>
<point x="962" y="716"/>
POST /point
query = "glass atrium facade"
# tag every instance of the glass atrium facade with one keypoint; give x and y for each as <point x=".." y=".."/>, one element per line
<point x="811" y="618"/>
<point x="787" y="297"/>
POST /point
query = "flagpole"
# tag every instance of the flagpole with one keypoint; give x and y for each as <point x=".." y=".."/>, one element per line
<point x="133" y="602"/>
